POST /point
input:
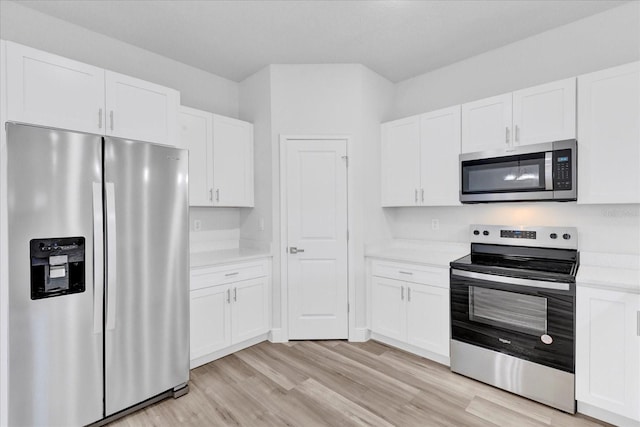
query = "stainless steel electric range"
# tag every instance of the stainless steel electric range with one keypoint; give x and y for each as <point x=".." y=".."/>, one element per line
<point x="513" y="311"/>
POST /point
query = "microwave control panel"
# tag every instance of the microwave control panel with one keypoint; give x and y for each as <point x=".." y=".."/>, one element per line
<point x="562" y="170"/>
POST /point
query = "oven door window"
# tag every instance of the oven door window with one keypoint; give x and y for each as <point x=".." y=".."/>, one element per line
<point x="508" y="310"/>
<point x="504" y="174"/>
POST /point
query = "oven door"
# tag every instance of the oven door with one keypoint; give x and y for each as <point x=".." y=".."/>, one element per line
<point x="530" y="320"/>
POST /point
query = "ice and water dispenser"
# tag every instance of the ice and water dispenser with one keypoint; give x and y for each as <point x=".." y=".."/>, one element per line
<point x="57" y="267"/>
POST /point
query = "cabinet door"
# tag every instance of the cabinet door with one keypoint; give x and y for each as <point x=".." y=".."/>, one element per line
<point x="486" y="124"/>
<point x="609" y="135"/>
<point x="388" y="307"/>
<point x="196" y="136"/>
<point x="140" y="110"/>
<point x="210" y="320"/>
<point x="428" y="318"/>
<point x="400" y="162"/>
<point x="608" y="350"/>
<point x="249" y="309"/>
<point x="545" y="113"/>
<point x="232" y="162"/>
<point x="439" y="151"/>
<point x="50" y="90"/>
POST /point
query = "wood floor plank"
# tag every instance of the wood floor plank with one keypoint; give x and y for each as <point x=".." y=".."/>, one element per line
<point x="336" y="383"/>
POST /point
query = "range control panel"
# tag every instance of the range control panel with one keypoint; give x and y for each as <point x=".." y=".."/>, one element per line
<point x="535" y="236"/>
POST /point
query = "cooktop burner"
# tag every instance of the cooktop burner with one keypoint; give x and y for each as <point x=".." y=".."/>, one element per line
<point x="532" y="252"/>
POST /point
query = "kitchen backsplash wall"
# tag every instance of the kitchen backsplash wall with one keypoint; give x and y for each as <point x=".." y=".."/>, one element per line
<point x="601" y="228"/>
<point x="218" y="228"/>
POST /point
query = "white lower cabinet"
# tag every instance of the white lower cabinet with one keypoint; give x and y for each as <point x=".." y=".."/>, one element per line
<point x="229" y="309"/>
<point x="410" y="308"/>
<point x="608" y="353"/>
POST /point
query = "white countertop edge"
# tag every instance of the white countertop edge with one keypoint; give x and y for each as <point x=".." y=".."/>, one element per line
<point x="620" y="287"/>
<point x="225" y="256"/>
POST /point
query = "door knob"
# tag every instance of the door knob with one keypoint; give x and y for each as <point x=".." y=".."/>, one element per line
<point x="294" y="250"/>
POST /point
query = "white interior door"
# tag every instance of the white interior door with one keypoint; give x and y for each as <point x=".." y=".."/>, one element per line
<point x="316" y="186"/>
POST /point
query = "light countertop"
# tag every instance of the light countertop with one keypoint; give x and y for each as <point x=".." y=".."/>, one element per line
<point x="606" y="271"/>
<point x="226" y="256"/>
<point x="433" y="253"/>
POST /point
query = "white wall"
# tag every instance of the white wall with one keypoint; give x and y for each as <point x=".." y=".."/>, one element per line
<point x="256" y="225"/>
<point x="341" y="99"/>
<point x="597" y="42"/>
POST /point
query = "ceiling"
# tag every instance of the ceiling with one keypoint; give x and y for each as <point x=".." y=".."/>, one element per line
<point x="397" y="39"/>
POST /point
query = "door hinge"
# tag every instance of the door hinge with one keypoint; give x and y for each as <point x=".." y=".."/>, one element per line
<point x="346" y="160"/>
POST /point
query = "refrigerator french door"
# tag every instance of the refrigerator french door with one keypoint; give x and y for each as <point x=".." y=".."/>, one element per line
<point x="98" y="274"/>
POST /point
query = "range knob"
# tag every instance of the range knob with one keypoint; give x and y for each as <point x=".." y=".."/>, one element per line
<point x="566" y="236"/>
<point x="485" y="233"/>
<point x="476" y="232"/>
<point x="553" y="235"/>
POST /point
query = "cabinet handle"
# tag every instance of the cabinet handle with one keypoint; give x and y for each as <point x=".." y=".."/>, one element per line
<point x="228" y="296"/>
<point x="422" y="191"/>
<point x="232" y="274"/>
<point x="402" y="293"/>
<point x="416" y="195"/>
<point x="517" y="133"/>
<point x="100" y="118"/>
<point x="405" y="272"/>
<point x="506" y="135"/>
<point x="111" y="119"/>
<point x="235" y="294"/>
<point x="408" y="294"/>
<point x="211" y="194"/>
<point x="217" y="194"/>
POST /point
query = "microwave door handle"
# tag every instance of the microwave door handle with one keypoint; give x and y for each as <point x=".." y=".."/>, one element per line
<point x="548" y="170"/>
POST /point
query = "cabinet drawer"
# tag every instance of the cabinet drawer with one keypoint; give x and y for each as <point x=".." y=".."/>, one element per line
<point x="229" y="273"/>
<point x="434" y="276"/>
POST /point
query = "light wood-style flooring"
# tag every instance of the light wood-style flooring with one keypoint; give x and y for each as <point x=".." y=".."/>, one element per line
<point x="336" y="383"/>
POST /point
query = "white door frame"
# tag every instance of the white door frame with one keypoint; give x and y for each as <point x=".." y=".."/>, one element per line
<point x="284" y="263"/>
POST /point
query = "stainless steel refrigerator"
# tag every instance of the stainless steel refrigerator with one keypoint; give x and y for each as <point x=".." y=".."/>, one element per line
<point x="98" y="275"/>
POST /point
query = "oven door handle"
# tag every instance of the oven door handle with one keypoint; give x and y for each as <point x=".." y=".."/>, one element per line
<point x="511" y="280"/>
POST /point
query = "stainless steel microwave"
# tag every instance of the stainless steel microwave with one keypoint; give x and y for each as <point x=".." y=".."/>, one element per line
<point x="531" y="172"/>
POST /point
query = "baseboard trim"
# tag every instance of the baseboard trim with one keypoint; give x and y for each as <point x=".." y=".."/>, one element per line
<point x="360" y="335"/>
<point x="277" y="335"/>
<point x="604" y="415"/>
<point x="199" y="361"/>
<point x="443" y="360"/>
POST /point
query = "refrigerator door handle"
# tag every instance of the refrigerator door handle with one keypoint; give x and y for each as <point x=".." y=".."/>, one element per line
<point x="112" y="279"/>
<point x="98" y="258"/>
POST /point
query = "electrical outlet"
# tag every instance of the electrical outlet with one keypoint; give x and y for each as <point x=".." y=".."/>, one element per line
<point x="197" y="225"/>
<point x="261" y="224"/>
<point x="435" y="224"/>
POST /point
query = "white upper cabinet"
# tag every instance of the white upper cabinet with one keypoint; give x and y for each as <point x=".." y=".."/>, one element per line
<point x="220" y="158"/>
<point x="50" y="90"/>
<point x="419" y="159"/>
<point x="439" y="151"/>
<point x="537" y="114"/>
<point x="232" y="162"/>
<point x="140" y="110"/>
<point x="400" y="164"/>
<point x="486" y="124"/>
<point x="196" y="135"/>
<point x="609" y="135"/>
<point x="545" y="113"/>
